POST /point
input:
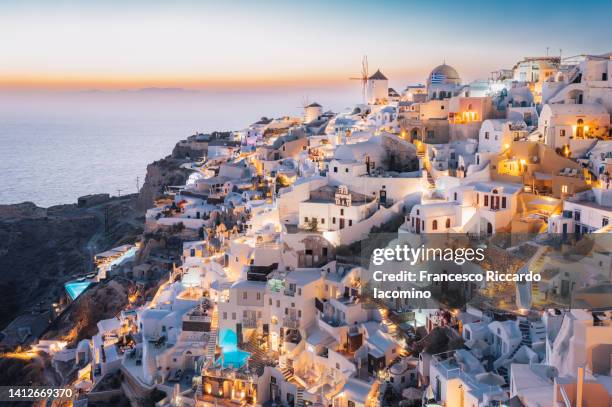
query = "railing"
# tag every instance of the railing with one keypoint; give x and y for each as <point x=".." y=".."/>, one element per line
<point x="333" y="322"/>
<point x="249" y="322"/>
<point x="292" y="323"/>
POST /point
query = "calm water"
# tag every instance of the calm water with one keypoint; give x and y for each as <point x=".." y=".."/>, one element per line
<point x="57" y="147"/>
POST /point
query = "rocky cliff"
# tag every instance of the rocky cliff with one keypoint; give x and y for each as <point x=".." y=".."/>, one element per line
<point x="161" y="174"/>
<point x="38" y="249"/>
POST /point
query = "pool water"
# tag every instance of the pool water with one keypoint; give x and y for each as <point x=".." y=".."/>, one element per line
<point x="76" y="288"/>
<point x="231" y="356"/>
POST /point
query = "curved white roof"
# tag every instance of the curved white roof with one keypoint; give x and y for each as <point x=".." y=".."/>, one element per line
<point x="587" y="108"/>
<point x="435" y="209"/>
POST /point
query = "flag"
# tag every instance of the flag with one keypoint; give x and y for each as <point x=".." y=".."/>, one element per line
<point x="437" y="78"/>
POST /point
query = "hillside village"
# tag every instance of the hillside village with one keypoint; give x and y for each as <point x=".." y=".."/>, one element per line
<point x="260" y="281"/>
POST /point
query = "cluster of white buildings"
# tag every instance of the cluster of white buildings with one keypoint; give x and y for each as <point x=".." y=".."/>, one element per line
<point x="266" y="307"/>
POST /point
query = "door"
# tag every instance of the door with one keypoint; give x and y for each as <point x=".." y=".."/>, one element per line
<point x="383" y="196"/>
<point x="564" y="288"/>
<point x="418" y="226"/>
<point x="341" y="223"/>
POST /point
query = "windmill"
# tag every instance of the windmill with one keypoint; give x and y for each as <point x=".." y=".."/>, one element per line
<point x="364" y="76"/>
<point x="305" y="103"/>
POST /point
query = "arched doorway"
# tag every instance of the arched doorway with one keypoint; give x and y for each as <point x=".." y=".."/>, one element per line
<point x="580" y="128"/>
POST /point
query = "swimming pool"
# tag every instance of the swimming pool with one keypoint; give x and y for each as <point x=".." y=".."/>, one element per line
<point x="76" y="288"/>
<point x="231" y="356"/>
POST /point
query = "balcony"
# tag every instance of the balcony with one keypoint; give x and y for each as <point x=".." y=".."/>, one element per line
<point x="251" y="323"/>
<point x="290" y="322"/>
<point x="289" y="292"/>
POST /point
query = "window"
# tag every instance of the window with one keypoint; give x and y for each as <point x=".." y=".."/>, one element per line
<point x="244" y="295"/>
<point x="434" y="225"/>
<point x="477" y="198"/>
<point x="270" y="301"/>
<point x="277" y="303"/>
<point x="233" y="316"/>
<point x="335" y="169"/>
<point x="447" y="223"/>
<point x="503" y="202"/>
<point x="486" y="135"/>
<point x="486" y="200"/>
<point x="562" y="132"/>
<point x="334" y="220"/>
<point x="322" y="221"/>
<point x="299" y="291"/>
<point x="305" y="219"/>
<point x="564" y="189"/>
<point x="346" y="170"/>
<point x="577" y="216"/>
<point x="299" y="313"/>
<point x="350" y="222"/>
<point x="341" y="212"/>
<point x="224" y="315"/>
<point x="604" y="76"/>
<point x="455" y="196"/>
<point x="604" y="222"/>
<point x="442" y="107"/>
<point x="258" y="296"/>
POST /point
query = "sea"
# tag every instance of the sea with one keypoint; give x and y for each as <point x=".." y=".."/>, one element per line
<point x="57" y="146"/>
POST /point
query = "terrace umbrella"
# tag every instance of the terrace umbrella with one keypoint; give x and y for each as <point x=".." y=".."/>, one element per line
<point x="412" y="393"/>
<point x="490" y="379"/>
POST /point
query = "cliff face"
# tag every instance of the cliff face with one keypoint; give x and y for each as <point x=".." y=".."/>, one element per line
<point x="160" y="174"/>
<point x="42" y="248"/>
<point x="38" y="248"/>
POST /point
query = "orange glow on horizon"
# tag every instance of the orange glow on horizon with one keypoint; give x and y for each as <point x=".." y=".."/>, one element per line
<point x="75" y="82"/>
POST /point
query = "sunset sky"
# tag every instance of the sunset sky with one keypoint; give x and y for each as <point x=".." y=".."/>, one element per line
<point x="203" y="45"/>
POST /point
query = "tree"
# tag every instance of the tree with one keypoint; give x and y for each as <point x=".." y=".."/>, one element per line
<point x="312" y="225"/>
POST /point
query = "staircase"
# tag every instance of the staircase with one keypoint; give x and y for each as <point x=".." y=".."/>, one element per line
<point x="211" y="346"/>
<point x="526" y="340"/>
<point x="257" y="355"/>
<point x="503" y="372"/>
<point x="525" y="333"/>
<point x="300" y="397"/>
<point x="287" y="374"/>
<point x="430" y="181"/>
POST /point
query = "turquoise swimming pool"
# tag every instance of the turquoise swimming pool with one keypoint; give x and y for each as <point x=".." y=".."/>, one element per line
<point x="76" y="288"/>
<point x="231" y="356"/>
